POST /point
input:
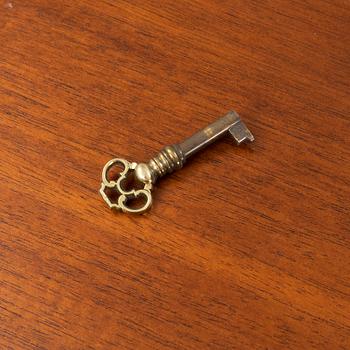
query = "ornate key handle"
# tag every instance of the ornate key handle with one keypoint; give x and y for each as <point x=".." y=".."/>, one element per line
<point x="169" y="159"/>
<point x="123" y="195"/>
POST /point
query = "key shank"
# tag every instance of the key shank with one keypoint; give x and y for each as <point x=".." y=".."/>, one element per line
<point x="173" y="157"/>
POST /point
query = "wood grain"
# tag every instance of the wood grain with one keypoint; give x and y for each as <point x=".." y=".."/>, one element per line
<point x="245" y="248"/>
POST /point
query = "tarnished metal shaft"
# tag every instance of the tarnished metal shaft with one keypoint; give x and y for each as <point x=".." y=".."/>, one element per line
<point x="173" y="157"/>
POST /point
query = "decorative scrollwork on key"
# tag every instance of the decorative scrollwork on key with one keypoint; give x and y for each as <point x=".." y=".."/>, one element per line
<point x="116" y="187"/>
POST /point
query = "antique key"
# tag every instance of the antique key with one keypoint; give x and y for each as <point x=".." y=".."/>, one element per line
<point x="169" y="159"/>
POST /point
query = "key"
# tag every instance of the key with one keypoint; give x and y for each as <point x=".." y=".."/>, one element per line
<point x="169" y="159"/>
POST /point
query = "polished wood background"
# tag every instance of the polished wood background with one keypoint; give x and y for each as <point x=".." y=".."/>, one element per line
<point x="245" y="248"/>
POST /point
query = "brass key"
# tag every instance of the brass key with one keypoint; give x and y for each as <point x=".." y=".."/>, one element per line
<point x="169" y="159"/>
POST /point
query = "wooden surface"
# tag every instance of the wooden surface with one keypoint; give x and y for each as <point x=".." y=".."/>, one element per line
<point x="245" y="248"/>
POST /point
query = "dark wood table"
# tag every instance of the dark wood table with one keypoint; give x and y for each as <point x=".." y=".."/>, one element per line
<point x="246" y="247"/>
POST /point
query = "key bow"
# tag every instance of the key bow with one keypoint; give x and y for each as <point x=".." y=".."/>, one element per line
<point x="117" y="188"/>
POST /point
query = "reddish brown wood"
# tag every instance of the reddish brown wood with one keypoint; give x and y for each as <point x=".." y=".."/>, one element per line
<point x="245" y="248"/>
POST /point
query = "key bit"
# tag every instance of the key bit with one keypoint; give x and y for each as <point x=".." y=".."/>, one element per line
<point x="169" y="159"/>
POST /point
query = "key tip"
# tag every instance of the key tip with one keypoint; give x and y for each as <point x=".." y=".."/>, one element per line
<point x="241" y="133"/>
